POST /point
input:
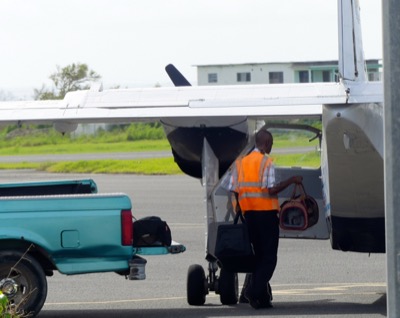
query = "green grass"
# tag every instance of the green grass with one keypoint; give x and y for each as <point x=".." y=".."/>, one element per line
<point x="121" y="146"/>
<point x="305" y="160"/>
<point x="89" y="147"/>
<point x="156" y="166"/>
<point x="292" y="143"/>
<point x="23" y="165"/>
<point x="130" y="138"/>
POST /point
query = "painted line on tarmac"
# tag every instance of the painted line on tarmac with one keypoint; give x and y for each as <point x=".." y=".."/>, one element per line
<point x="186" y="225"/>
<point x="112" y="301"/>
<point x="330" y="289"/>
<point x="333" y="285"/>
<point x="120" y="301"/>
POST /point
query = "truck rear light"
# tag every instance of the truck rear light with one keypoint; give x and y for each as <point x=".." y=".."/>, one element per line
<point x="127" y="228"/>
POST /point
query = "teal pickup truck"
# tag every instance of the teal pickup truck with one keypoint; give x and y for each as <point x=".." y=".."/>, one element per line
<point x="65" y="226"/>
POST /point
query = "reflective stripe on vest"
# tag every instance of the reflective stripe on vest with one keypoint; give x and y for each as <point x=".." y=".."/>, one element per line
<point x="252" y="196"/>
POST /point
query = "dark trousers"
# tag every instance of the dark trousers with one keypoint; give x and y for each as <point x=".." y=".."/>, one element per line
<point x="264" y="234"/>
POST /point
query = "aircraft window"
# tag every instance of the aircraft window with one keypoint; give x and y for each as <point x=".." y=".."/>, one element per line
<point x="243" y="77"/>
<point x="213" y="78"/>
<point x="275" y="77"/>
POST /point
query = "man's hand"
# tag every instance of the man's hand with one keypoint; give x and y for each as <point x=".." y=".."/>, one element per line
<point x="297" y="179"/>
<point x="284" y="184"/>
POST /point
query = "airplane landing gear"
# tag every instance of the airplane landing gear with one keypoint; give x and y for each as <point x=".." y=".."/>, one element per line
<point x="198" y="285"/>
<point x="226" y="284"/>
<point x="228" y="287"/>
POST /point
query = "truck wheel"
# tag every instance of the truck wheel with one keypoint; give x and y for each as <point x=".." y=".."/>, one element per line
<point x="196" y="285"/>
<point x="23" y="281"/>
<point x="228" y="287"/>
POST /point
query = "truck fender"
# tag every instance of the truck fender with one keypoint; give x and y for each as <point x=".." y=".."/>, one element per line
<point x="27" y="240"/>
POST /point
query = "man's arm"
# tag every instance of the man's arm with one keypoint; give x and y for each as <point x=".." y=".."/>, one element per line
<point x="235" y="201"/>
<point x="284" y="184"/>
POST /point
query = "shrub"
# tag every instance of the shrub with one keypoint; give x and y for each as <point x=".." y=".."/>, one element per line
<point x="145" y="131"/>
<point x="7" y="310"/>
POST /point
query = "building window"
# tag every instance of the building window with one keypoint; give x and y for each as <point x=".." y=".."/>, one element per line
<point x="304" y="77"/>
<point x="326" y="76"/>
<point x="213" y="78"/>
<point x="243" y="77"/>
<point x="374" y="75"/>
<point x="337" y="76"/>
<point x="275" y="77"/>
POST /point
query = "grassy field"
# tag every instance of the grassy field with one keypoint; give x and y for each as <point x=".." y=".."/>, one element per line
<point x="34" y="142"/>
<point x="155" y="166"/>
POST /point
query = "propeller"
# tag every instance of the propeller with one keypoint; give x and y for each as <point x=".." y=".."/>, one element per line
<point x="176" y="77"/>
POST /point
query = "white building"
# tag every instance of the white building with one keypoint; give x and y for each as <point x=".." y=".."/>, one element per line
<point x="273" y="73"/>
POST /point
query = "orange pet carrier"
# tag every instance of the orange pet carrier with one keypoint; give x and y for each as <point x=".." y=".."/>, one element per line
<point x="299" y="212"/>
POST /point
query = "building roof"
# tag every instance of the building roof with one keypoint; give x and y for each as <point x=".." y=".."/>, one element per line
<point x="294" y="63"/>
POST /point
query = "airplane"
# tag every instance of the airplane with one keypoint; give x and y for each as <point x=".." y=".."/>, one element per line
<point x="208" y="127"/>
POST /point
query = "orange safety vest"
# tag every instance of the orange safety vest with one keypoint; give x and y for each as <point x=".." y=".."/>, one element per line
<point x="252" y="196"/>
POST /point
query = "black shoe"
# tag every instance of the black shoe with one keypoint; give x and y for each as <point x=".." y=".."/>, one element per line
<point x="252" y="301"/>
<point x="255" y="303"/>
<point x="269" y="290"/>
<point x="243" y="300"/>
<point x="266" y="304"/>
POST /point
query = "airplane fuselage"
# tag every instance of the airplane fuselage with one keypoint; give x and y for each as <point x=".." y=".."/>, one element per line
<point x="353" y="176"/>
<point x="348" y="187"/>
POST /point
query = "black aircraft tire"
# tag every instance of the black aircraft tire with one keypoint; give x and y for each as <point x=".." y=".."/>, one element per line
<point x="228" y="287"/>
<point x="28" y="277"/>
<point x="196" y="285"/>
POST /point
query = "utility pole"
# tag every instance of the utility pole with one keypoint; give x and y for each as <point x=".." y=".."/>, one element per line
<point x="391" y="64"/>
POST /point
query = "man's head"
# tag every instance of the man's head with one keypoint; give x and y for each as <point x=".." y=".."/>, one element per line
<point x="264" y="141"/>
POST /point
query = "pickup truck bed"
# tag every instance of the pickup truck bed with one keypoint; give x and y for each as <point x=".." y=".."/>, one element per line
<point x="65" y="226"/>
<point x="48" y="188"/>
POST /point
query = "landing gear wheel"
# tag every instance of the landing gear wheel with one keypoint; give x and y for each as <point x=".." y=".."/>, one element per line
<point x="23" y="281"/>
<point x="228" y="287"/>
<point x="196" y="285"/>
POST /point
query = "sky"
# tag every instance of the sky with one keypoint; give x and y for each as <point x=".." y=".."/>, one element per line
<point x="129" y="42"/>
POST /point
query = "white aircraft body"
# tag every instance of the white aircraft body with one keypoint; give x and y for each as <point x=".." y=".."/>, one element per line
<point x="209" y="127"/>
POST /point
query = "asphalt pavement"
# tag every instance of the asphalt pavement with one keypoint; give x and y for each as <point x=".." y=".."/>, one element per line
<point x="118" y="155"/>
<point x="311" y="280"/>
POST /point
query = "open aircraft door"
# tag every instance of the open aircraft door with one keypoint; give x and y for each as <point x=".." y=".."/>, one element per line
<point x="296" y="226"/>
<point x="222" y="211"/>
<point x="219" y="210"/>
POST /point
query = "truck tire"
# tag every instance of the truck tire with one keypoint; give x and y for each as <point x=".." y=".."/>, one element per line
<point x="23" y="281"/>
<point x="196" y="285"/>
<point x="228" y="287"/>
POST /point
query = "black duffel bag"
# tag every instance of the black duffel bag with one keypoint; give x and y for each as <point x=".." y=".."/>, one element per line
<point x="151" y="231"/>
<point x="233" y="248"/>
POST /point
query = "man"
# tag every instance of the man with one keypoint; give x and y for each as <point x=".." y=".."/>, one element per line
<point x="253" y="179"/>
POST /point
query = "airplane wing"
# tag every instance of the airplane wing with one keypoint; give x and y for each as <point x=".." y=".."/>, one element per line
<point x="352" y="211"/>
<point x="208" y="128"/>
<point x="96" y="105"/>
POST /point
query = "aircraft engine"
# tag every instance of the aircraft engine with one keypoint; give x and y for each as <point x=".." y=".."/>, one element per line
<point x="65" y="127"/>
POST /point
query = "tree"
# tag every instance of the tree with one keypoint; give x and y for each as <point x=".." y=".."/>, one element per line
<point x="67" y="79"/>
